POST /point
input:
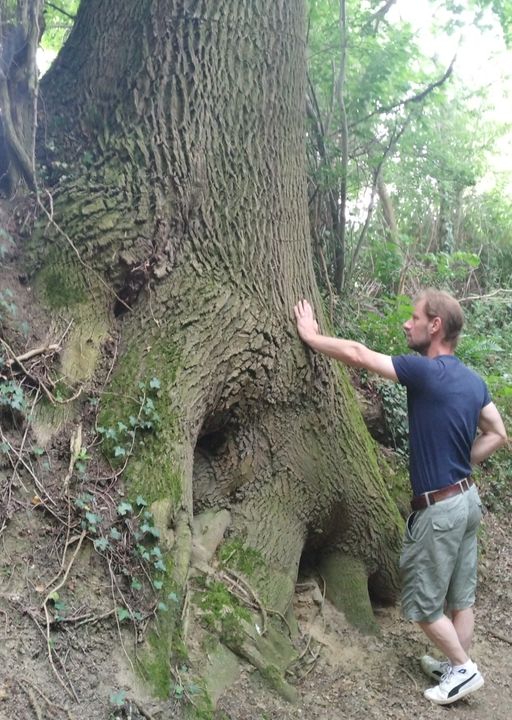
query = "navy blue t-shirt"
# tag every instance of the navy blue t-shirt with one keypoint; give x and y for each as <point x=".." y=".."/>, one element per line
<point x="444" y="400"/>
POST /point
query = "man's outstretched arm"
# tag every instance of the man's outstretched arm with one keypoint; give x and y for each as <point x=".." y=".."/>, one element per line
<point x="492" y="434"/>
<point x="348" y="352"/>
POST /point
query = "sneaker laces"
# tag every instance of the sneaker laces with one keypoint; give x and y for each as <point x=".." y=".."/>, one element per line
<point x="446" y="675"/>
<point x="445" y="668"/>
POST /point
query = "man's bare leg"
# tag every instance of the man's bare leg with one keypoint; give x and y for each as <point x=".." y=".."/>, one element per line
<point x="444" y="635"/>
<point x="464" y="623"/>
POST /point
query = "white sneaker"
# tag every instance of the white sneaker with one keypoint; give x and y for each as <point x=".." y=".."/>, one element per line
<point x="455" y="685"/>
<point x="434" y="669"/>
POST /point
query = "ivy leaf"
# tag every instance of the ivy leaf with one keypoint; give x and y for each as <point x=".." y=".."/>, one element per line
<point x="123" y="614"/>
<point x="101" y="544"/>
<point x="118" y="699"/>
<point x="92" y="519"/>
<point x="154" y="383"/>
<point x="124" y="508"/>
<point x="115" y="534"/>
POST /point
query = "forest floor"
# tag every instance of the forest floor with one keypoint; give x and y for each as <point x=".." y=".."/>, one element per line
<point x="354" y="677"/>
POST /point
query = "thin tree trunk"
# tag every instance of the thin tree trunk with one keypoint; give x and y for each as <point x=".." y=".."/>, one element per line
<point x="20" y="29"/>
<point x="339" y="265"/>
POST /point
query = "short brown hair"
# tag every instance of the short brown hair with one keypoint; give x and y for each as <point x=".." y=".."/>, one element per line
<point x="439" y="303"/>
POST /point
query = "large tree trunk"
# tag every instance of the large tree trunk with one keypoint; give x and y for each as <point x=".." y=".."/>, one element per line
<point x="180" y="126"/>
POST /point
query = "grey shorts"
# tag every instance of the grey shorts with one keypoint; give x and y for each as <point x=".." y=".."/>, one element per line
<point x="438" y="566"/>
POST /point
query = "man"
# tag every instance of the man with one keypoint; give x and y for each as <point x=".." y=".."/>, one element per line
<point x="447" y="404"/>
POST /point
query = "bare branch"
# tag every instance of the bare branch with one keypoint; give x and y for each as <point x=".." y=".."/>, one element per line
<point x="60" y="10"/>
<point x="380" y="14"/>
<point x="418" y="97"/>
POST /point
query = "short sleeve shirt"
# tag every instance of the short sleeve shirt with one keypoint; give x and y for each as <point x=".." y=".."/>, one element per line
<point x="444" y="400"/>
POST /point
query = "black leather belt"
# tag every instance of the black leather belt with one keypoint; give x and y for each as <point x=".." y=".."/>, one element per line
<point x="420" y="502"/>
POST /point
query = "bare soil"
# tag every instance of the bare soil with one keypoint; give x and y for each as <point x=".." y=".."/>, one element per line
<point x="342" y="673"/>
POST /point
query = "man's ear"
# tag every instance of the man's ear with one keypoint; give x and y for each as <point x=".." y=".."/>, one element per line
<point x="437" y="325"/>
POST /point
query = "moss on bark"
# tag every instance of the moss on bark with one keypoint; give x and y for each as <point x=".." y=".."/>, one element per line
<point x="346" y="579"/>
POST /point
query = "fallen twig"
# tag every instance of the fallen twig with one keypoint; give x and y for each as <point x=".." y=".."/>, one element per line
<point x="35" y="380"/>
<point x="58" y="587"/>
<point x="49" y="703"/>
<point x="500" y="636"/>
<point x="70" y="690"/>
<point x="32" y="353"/>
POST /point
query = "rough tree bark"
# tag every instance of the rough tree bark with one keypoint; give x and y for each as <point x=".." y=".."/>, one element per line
<point x="180" y="183"/>
<point x="20" y="30"/>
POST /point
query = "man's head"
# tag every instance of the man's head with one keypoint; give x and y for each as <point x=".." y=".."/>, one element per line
<point x="437" y="317"/>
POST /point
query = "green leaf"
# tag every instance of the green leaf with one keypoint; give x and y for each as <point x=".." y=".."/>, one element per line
<point x="124" y="508"/>
<point x="115" y="534"/>
<point x="158" y="584"/>
<point x="136" y="584"/>
<point x="139" y="500"/>
<point x="119" y="451"/>
<point x="118" y="699"/>
<point x="92" y="518"/>
<point x="123" y="614"/>
<point x="101" y="544"/>
<point x="83" y="501"/>
<point x="154" y="383"/>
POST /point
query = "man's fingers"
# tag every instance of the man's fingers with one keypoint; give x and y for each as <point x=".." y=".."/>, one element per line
<point x="299" y="310"/>
<point x="303" y="310"/>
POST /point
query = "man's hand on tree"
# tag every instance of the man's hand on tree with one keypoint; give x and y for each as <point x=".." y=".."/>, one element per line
<point x="307" y="327"/>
